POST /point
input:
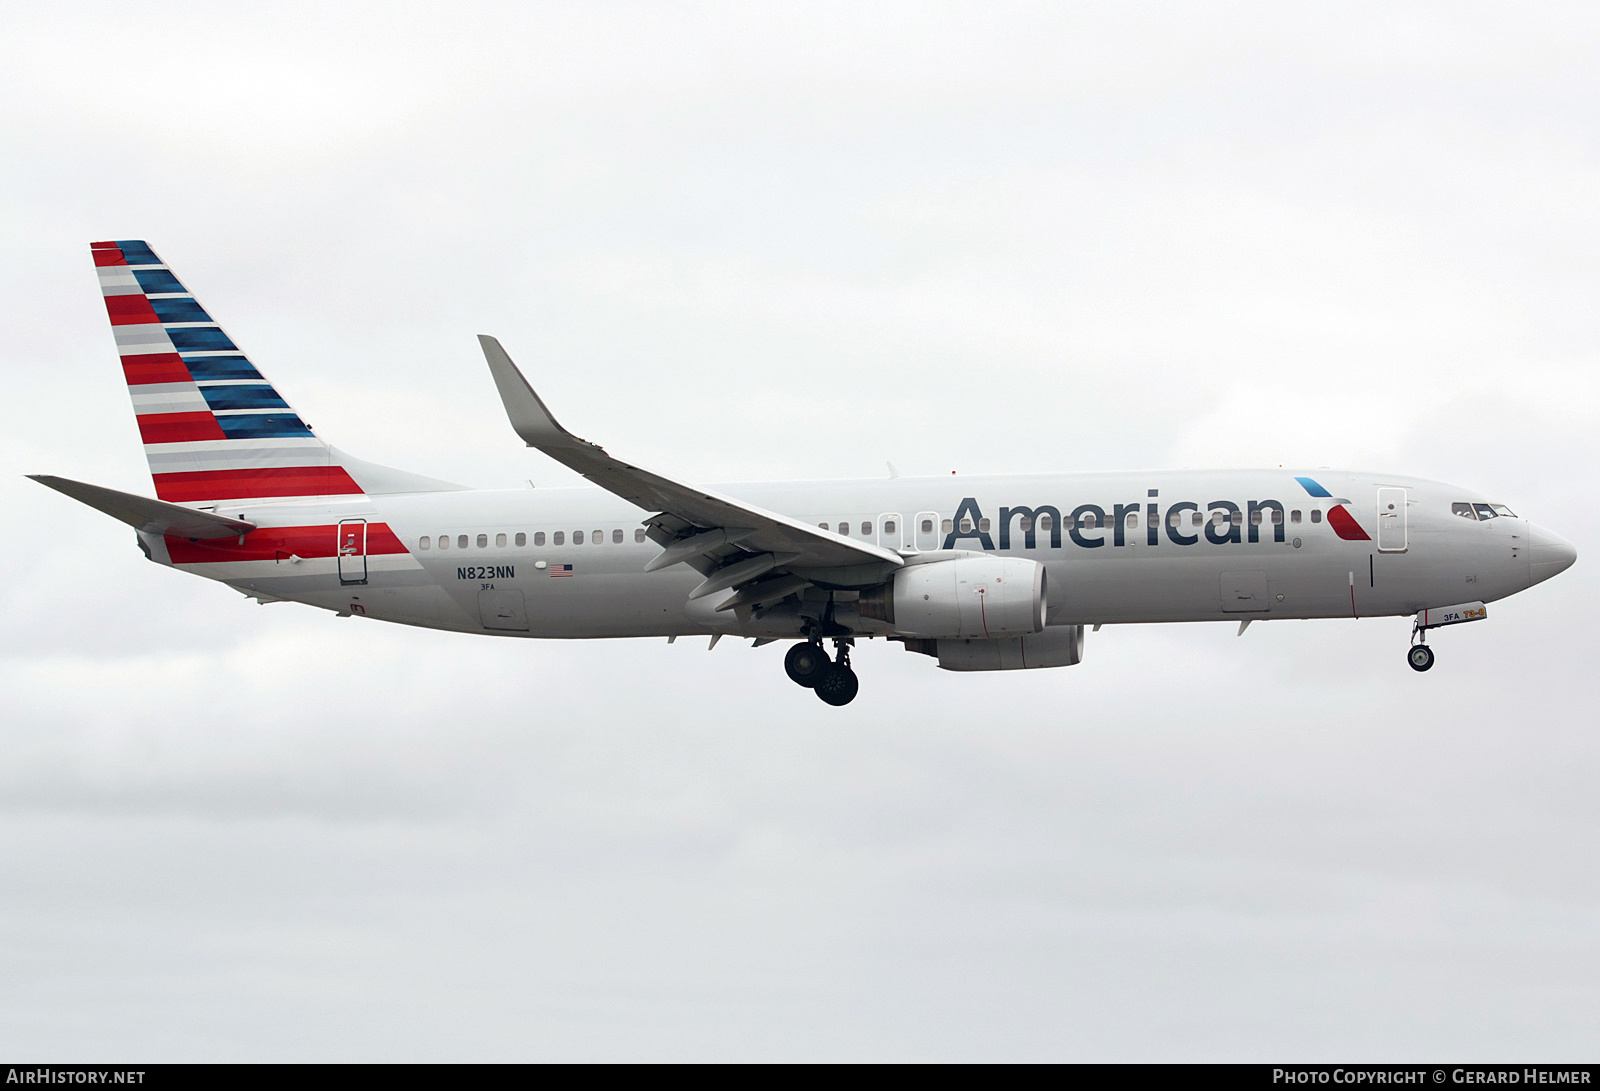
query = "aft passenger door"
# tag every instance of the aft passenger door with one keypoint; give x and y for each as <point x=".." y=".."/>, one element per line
<point x="1391" y="520"/>
<point x="352" y="551"/>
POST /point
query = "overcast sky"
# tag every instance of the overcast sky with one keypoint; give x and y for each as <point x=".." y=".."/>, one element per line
<point x="746" y="242"/>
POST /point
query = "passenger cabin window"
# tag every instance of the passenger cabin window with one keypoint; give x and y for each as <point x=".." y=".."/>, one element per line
<point x="1484" y="511"/>
<point x="1255" y="518"/>
<point x="1316" y="515"/>
<point x="521" y="539"/>
<point x="1216" y="518"/>
<point x="927" y="526"/>
<point x="616" y="537"/>
<point x="559" y="538"/>
<point x="1025" y="524"/>
<point x="866" y="529"/>
<point x="1237" y="519"/>
<point x="966" y="526"/>
<point x="598" y="537"/>
<point x="844" y="528"/>
<point x="500" y="541"/>
<point x="947" y="526"/>
<point x="1174" y="518"/>
<point x="461" y="541"/>
<point x="1133" y="519"/>
<point x="538" y="537"/>
<point x="823" y="526"/>
<point x="638" y="534"/>
<point x="1090" y="520"/>
<point x="1463" y="510"/>
<point x="422" y="543"/>
<point x="483" y="541"/>
<point x="1294" y="516"/>
<point x="444" y="541"/>
<point x="983" y="525"/>
<point x="888" y="526"/>
<point x="1195" y="518"/>
<point x="1277" y="517"/>
<point x="577" y="537"/>
<point x="1046" y="523"/>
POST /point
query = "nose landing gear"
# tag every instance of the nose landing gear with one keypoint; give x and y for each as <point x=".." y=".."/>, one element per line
<point x="808" y="665"/>
<point x="1419" y="655"/>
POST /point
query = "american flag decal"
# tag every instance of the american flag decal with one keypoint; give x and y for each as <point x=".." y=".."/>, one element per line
<point x="561" y="570"/>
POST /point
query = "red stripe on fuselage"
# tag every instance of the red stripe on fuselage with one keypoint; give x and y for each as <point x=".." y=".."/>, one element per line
<point x="158" y="367"/>
<point x="130" y="310"/>
<point x="1345" y="526"/>
<point x="232" y="484"/>
<point x="278" y="544"/>
<point x="112" y="256"/>
<point x="179" y="427"/>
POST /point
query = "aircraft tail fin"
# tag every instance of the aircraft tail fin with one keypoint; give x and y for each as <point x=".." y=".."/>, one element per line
<point x="214" y="428"/>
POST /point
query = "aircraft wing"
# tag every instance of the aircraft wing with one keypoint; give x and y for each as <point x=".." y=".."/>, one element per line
<point x="143" y="513"/>
<point x="701" y="524"/>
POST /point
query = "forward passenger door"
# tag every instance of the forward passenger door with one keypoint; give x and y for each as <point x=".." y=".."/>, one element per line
<point x="1391" y="520"/>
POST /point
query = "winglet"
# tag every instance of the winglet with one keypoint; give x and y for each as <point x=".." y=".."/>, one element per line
<point x="529" y="417"/>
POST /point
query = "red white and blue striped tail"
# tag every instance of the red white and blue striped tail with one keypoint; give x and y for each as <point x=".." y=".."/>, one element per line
<point x="213" y="427"/>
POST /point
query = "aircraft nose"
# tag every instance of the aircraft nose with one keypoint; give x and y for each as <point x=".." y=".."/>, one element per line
<point x="1548" y="554"/>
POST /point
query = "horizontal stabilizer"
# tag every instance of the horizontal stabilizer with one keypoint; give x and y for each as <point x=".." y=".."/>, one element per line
<point x="143" y="513"/>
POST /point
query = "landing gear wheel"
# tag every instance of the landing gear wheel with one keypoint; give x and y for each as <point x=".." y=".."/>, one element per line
<point x="838" y="685"/>
<point x="1420" y="657"/>
<point x="806" y="663"/>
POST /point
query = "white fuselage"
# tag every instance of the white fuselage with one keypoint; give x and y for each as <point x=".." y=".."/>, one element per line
<point x="1106" y="562"/>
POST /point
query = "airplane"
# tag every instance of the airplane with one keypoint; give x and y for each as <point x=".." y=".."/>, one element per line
<point x="981" y="573"/>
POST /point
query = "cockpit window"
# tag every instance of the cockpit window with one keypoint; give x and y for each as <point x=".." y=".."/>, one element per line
<point x="1462" y="509"/>
<point x="1484" y="511"/>
<point x="1501" y="509"/>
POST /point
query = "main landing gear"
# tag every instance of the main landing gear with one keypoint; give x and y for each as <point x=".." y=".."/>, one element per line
<point x="806" y="663"/>
<point x="833" y="680"/>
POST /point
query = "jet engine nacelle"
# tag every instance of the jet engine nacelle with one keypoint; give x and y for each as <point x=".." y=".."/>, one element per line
<point x="1058" y="646"/>
<point x="978" y="596"/>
